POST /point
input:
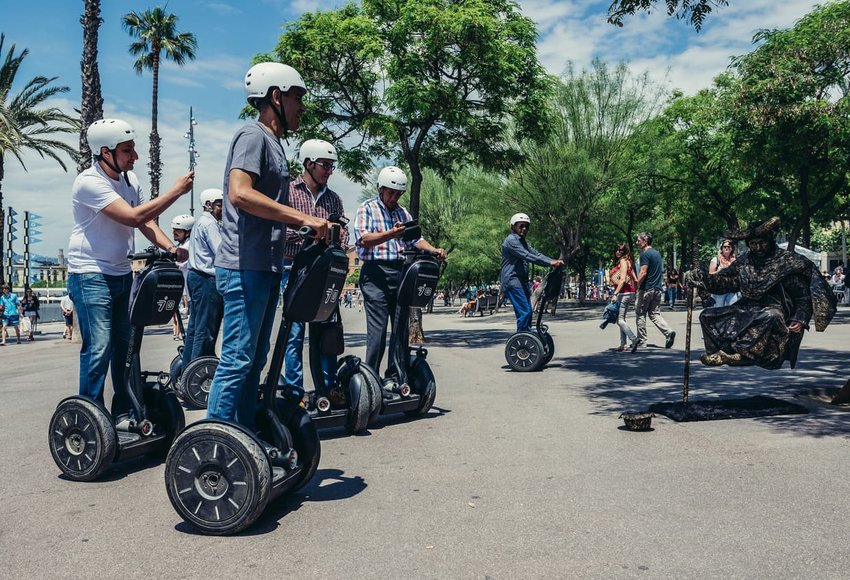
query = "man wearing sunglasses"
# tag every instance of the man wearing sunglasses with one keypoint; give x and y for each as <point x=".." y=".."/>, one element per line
<point x="516" y="253"/>
<point x="311" y="195"/>
<point x="378" y="229"/>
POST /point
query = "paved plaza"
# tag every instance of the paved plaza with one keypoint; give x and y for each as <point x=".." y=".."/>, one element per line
<point x="511" y="475"/>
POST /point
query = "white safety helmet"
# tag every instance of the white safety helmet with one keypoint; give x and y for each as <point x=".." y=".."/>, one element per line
<point x="393" y="178"/>
<point x="313" y="149"/>
<point x="519" y="217"/>
<point x="108" y="133"/>
<point x="210" y="196"/>
<point x="266" y="75"/>
<point x="182" y="222"/>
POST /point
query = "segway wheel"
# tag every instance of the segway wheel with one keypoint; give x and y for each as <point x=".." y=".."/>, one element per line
<point x="376" y="392"/>
<point x="196" y="380"/>
<point x="305" y="440"/>
<point x="175" y="369"/>
<point x="217" y="477"/>
<point x="82" y="439"/>
<point x="424" y="385"/>
<point x="549" y="348"/>
<point x="524" y="352"/>
<point x="359" y="402"/>
<point x="165" y="413"/>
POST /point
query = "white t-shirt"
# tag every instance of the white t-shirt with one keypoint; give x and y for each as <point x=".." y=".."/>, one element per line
<point x="99" y="243"/>
<point x="66" y="303"/>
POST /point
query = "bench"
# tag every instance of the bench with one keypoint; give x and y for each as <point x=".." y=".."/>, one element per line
<point x="486" y="303"/>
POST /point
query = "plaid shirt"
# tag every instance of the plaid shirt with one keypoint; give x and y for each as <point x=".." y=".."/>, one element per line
<point x="301" y="199"/>
<point x="373" y="216"/>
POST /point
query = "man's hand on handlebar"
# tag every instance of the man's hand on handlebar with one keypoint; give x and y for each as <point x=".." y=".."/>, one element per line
<point x="180" y="254"/>
<point x="556" y="263"/>
<point x="320" y="226"/>
<point x="397" y="231"/>
<point x="440" y="254"/>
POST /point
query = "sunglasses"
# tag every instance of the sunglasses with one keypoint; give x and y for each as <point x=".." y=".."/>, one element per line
<point x="326" y="165"/>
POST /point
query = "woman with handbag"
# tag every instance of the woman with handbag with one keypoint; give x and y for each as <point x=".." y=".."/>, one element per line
<point x="623" y="278"/>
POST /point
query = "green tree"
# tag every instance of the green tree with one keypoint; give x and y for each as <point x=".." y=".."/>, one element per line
<point x="791" y="114"/>
<point x="694" y="11"/>
<point x="25" y="124"/>
<point x="428" y="83"/>
<point x="157" y="38"/>
<point x="565" y="177"/>
<point x="91" y="104"/>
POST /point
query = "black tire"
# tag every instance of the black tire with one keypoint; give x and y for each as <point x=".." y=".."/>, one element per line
<point x="217" y="477"/>
<point x="175" y="370"/>
<point x="524" y="352"/>
<point x="82" y="439"/>
<point x="422" y="383"/>
<point x="549" y="344"/>
<point x="196" y="380"/>
<point x="376" y="392"/>
<point x="165" y="413"/>
<point x="359" y="402"/>
<point x="305" y="440"/>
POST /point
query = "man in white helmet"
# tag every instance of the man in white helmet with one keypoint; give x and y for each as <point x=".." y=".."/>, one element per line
<point x="378" y="230"/>
<point x="310" y="194"/>
<point x="207" y="305"/>
<point x="249" y="260"/>
<point x="516" y="253"/>
<point x="181" y="230"/>
<point x="108" y="206"/>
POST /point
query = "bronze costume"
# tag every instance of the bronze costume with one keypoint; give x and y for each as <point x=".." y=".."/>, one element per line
<point x="777" y="287"/>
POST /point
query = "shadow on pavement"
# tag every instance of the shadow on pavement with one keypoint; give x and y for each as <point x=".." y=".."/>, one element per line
<point x="633" y="382"/>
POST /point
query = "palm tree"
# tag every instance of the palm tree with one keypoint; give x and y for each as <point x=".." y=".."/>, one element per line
<point x="157" y="36"/>
<point x="25" y="126"/>
<point x="91" y="107"/>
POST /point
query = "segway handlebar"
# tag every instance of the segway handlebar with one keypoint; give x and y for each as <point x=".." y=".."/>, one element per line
<point x="337" y="222"/>
<point x="151" y="253"/>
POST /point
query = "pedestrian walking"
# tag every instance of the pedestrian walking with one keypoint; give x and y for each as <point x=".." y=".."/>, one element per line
<point x="649" y="293"/>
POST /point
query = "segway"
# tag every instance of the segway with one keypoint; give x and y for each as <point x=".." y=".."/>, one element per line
<point x="219" y="475"/>
<point x="84" y="440"/>
<point x="409" y="385"/>
<point x="533" y="349"/>
<point x="192" y="384"/>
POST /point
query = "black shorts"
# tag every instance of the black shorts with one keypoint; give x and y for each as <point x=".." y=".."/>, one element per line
<point x="69" y="319"/>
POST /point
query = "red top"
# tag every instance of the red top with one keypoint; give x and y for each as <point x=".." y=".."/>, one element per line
<point x="628" y="286"/>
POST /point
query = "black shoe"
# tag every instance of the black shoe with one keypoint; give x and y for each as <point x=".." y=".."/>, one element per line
<point x="635" y="345"/>
<point x="670" y="338"/>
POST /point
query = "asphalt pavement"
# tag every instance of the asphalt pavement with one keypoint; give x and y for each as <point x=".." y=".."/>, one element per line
<point x="511" y="475"/>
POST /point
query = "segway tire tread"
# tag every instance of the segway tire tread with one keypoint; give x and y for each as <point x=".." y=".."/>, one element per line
<point x="194" y="378"/>
<point x="524" y="352"/>
<point x="73" y="422"/>
<point x="424" y="385"/>
<point x="214" y="470"/>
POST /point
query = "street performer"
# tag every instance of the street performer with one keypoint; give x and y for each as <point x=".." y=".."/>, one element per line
<point x="780" y="293"/>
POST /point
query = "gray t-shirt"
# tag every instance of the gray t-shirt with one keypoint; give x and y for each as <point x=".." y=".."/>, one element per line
<point x="249" y="242"/>
<point x="652" y="260"/>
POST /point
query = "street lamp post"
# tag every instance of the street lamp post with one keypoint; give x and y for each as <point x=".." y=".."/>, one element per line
<point x="193" y="156"/>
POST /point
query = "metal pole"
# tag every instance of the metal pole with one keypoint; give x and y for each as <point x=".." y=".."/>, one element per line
<point x="193" y="155"/>
<point x="26" y="249"/>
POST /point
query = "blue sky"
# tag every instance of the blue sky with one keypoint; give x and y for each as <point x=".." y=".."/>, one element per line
<point x="229" y="33"/>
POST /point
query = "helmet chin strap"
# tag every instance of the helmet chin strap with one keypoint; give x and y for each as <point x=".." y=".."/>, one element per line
<point x="114" y="166"/>
<point x="281" y="117"/>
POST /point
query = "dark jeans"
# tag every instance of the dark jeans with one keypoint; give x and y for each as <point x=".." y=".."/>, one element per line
<point x="102" y="303"/>
<point x="205" y="321"/>
<point x="379" y="283"/>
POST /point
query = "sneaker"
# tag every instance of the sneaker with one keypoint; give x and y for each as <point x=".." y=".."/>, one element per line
<point x="635" y="345"/>
<point x="670" y="338"/>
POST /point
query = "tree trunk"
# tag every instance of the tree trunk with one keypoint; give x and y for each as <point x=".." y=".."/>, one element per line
<point x="156" y="166"/>
<point x="91" y="105"/>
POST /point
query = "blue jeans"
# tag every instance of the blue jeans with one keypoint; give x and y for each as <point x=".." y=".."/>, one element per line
<point x="671" y="297"/>
<point x="207" y="310"/>
<point x="250" y="301"/>
<point x="725" y="299"/>
<point x="522" y="307"/>
<point x="102" y="303"/>
<point x="294" y="366"/>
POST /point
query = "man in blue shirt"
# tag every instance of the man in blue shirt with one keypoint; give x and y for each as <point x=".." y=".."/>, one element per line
<point x="516" y="252"/>
<point x="649" y="292"/>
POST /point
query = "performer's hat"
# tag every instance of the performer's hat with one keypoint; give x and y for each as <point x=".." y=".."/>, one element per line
<point x="755" y="230"/>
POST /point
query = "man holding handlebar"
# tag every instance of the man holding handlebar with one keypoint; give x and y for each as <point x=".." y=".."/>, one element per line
<point x="108" y="206"/>
<point x="379" y="230"/>
<point x="249" y="261"/>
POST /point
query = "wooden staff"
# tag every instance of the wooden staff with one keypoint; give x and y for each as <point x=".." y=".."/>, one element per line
<point x="691" y="292"/>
